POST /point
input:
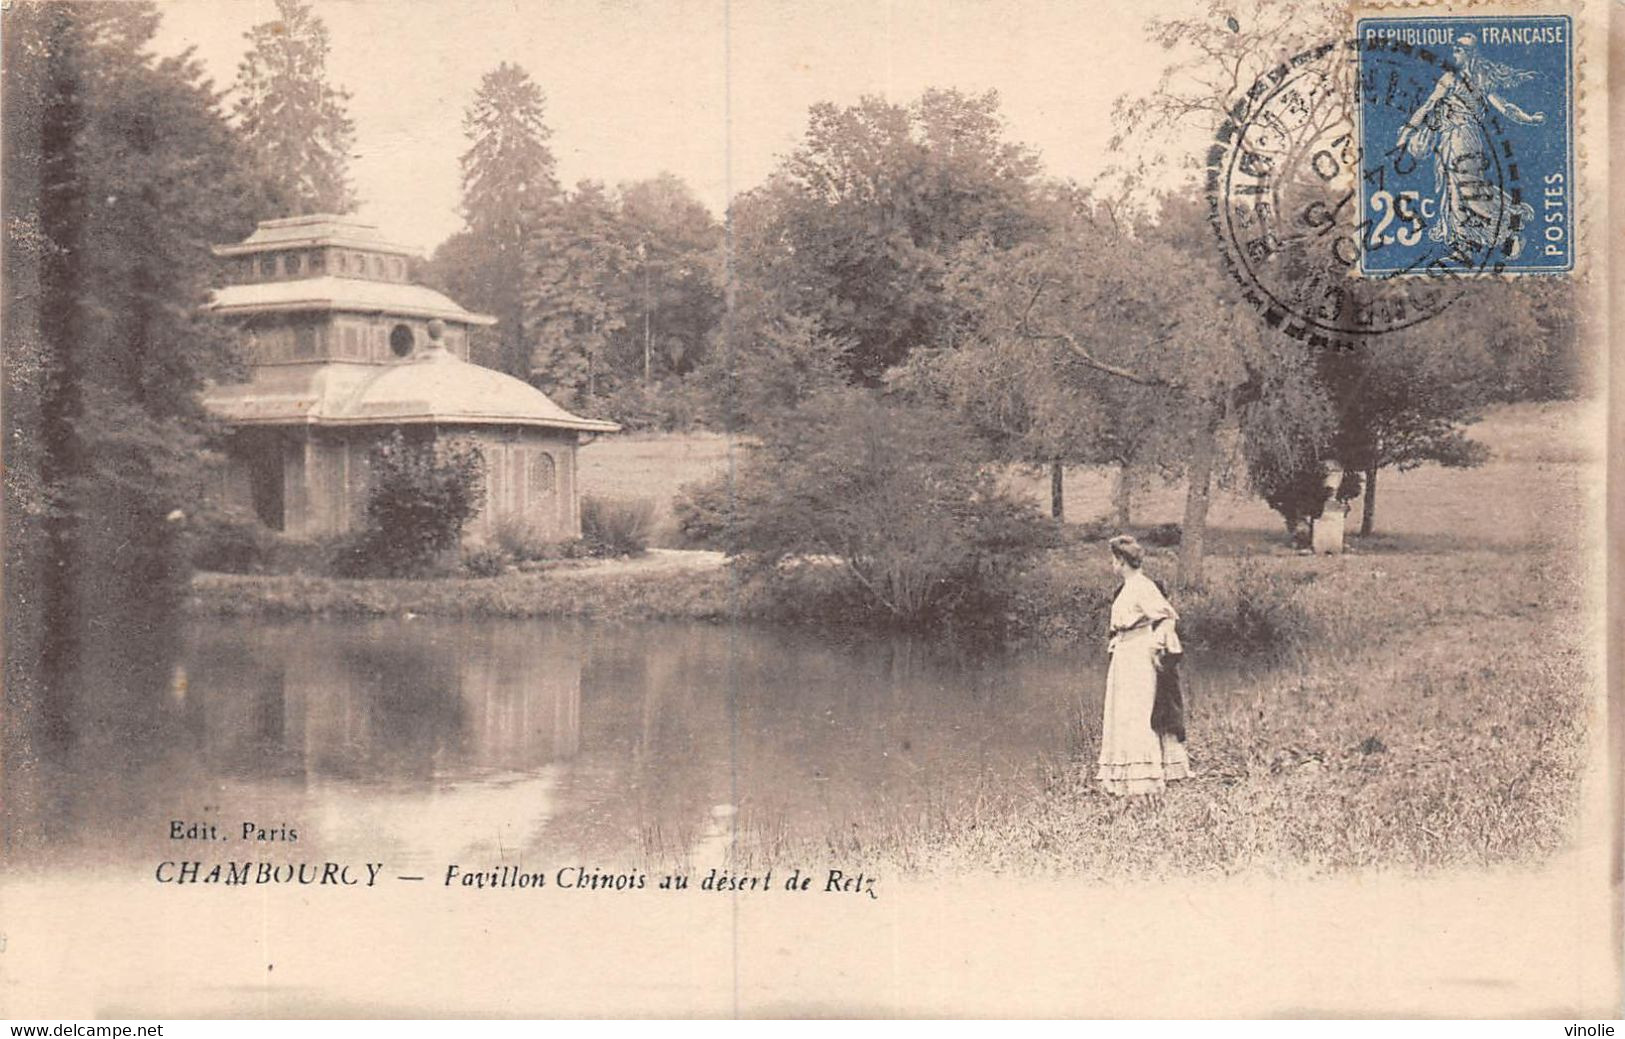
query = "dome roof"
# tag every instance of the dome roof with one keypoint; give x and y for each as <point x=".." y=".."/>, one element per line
<point x="433" y="386"/>
<point x="437" y="386"/>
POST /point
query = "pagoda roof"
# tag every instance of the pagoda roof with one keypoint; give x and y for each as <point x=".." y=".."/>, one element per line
<point x="345" y="294"/>
<point x="315" y="229"/>
<point x="433" y="386"/>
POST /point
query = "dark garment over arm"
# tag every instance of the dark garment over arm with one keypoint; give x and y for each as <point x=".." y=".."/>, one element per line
<point x="1168" y="708"/>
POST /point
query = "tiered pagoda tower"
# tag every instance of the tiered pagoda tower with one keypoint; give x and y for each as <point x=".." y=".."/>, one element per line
<point x="343" y="350"/>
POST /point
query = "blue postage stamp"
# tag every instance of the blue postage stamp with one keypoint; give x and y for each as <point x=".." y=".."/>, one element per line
<point x="1467" y="129"/>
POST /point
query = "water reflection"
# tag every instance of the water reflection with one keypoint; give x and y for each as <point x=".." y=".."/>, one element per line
<point x="425" y="742"/>
<point x="381" y="701"/>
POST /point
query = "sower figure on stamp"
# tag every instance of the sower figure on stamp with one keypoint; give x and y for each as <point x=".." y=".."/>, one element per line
<point x="1142" y="742"/>
<point x="1473" y="212"/>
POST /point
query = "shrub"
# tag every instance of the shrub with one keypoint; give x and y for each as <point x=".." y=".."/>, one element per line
<point x="1097" y="529"/>
<point x="1163" y="535"/>
<point x="485" y="561"/>
<point x="1256" y="610"/>
<point x="616" y="526"/>
<point x="575" y="548"/>
<point x="521" y="542"/>
<point x="229" y="541"/>
<point x="1299" y="494"/>
<point x="421" y="495"/>
<point x="900" y="496"/>
<point x="705" y="514"/>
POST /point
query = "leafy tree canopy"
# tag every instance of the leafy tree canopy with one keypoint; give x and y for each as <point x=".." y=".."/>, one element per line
<point x="856" y="226"/>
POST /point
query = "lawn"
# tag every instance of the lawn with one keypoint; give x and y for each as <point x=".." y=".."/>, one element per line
<point x="1528" y="490"/>
<point x="654" y="466"/>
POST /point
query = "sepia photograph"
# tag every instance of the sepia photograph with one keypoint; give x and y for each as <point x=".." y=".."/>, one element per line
<point x="740" y="508"/>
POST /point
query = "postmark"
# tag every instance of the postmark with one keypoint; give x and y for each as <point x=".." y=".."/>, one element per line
<point x="1283" y="179"/>
<point x="1477" y="138"/>
<point x="1320" y="202"/>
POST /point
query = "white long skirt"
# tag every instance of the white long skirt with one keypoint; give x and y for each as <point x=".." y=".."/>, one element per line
<point x="1133" y="758"/>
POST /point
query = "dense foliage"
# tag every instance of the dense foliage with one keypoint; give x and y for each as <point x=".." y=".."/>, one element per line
<point x="599" y="295"/>
<point x="420" y="495"/>
<point x="856" y="228"/>
<point x="896" y="497"/>
<point x="120" y="170"/>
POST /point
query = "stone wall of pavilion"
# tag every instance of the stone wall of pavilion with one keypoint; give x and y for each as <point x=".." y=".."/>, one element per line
<point x="530" y="480"/>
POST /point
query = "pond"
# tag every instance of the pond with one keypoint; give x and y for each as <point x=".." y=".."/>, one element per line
<point x="424" y="742"/>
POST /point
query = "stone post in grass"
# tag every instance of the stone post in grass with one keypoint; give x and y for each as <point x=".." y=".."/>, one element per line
<point x="1327" y="531"/>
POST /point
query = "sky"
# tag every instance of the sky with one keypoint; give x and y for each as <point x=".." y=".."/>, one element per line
<point x="715" y="92"/>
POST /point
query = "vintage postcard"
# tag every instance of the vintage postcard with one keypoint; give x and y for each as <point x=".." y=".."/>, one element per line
<point x="718" y="509"/>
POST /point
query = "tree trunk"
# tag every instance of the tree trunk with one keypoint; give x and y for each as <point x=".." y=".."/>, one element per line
<point x="1368" y="509"/>
<point x="1198" y="495"/>
<point x="1057" y="491"/>
<point x="62" y="459"/>
<point x="1123" y="497"/>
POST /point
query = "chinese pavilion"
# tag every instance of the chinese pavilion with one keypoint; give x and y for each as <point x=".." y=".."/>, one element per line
<point x="343" y="350"/>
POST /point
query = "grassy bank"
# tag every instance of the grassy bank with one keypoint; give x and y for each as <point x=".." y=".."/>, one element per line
<point x="653" y="593"/>
<point x="1420" y="709"/>
<point x="1431" y="714"/>
<point x="1536" y="450"/>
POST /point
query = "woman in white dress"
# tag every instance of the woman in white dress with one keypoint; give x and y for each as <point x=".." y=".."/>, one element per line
<point x="1134" y="758"/>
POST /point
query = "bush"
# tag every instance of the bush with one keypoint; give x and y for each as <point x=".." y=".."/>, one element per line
<point x="1163" y="535"/>
<point x="228" y="541"/>
<point x="1296" y="489"/>
<point x="705" y="514"/>
<point x="521" y="543"/>
<point x="485" y="561"/>
<point x="1256" y="610"/>
<point x="900" y="497"/>
<point x="616" y="527"/>
<point x="422" y="493"/>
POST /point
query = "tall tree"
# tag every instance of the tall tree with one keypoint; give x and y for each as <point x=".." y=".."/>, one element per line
<point x="1137" y="304"/>
<point x="855" y="226"/>
<point x="1038" y="400"/>
<point x="292" y="116"/>
<point x="120" y="170"/>
<point x="1219" y="53"/>
<point x="574" y="299"/>
<point x="1407" y="398"/>
<point x="674" y="297"/>
<point x="510" y="195"/>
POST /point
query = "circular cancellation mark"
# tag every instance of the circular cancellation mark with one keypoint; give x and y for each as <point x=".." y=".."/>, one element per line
<point x="1300" y="203"/>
